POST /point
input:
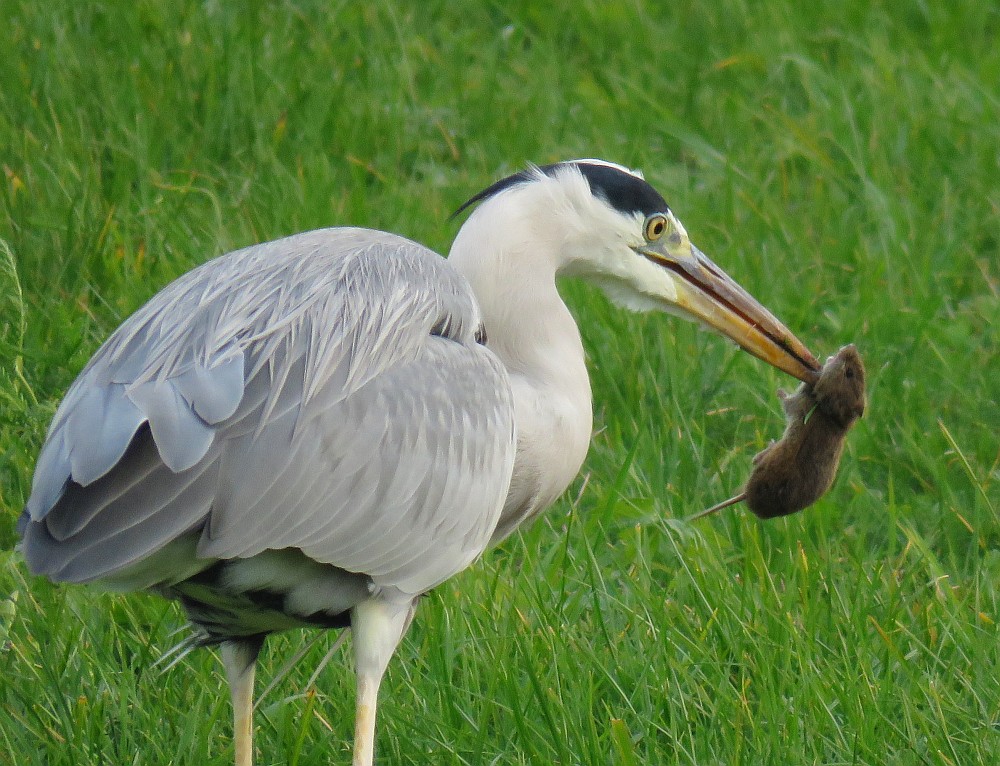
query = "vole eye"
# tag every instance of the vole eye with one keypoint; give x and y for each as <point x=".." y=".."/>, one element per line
<point x="849" y="373"/>
<point x="656" y="226"/>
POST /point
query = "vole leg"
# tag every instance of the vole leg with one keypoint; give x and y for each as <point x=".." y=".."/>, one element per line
<point x="788" y="401"/>
<point x="760" y="455"/>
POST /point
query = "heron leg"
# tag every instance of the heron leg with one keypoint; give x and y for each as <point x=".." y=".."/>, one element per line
<point x="377" y="627"/>
<point x="239" y="657"/>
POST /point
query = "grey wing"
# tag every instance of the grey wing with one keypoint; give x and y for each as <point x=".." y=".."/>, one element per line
<point x="303" y="380"/>
<point x="403" y="481"/>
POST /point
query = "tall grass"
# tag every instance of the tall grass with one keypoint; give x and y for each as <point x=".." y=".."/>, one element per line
<point x="840" y="160"/>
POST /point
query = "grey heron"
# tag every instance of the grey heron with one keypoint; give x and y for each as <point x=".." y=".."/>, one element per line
<point x="316" y="431"/>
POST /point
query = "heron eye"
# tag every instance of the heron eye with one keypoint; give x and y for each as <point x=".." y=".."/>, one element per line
<point x="656" y="226"/>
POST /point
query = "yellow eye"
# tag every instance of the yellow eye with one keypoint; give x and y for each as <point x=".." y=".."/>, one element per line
<point x="656" y="226"/>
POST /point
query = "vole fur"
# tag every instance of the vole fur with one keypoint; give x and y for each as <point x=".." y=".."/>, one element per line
<point x="794" y="472"/>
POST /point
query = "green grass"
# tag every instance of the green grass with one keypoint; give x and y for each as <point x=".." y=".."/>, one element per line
<point x="840" y="160"/>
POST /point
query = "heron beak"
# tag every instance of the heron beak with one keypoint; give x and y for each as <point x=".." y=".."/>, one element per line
<point x="709" y="295"/>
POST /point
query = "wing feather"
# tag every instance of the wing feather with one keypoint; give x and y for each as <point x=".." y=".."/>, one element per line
<point x="408" y="512"/>
<point x="324" y="392"/>
<point x="100" y="427"/>
<point x="214" y="394"/>
<point x="114" y="547"/>
<point x="128" y="525"/>
<point x="180" y="435"/>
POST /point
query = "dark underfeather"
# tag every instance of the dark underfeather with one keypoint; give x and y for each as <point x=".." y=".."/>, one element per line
<point x="220" y="614"/>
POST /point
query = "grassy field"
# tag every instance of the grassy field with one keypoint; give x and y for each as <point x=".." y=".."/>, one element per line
<point x="841" y="161"/>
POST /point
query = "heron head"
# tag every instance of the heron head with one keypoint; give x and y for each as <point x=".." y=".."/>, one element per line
<point x="606" y="224"/>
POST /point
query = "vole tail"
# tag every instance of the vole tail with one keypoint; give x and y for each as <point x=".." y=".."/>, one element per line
<point x="716" y="508"/>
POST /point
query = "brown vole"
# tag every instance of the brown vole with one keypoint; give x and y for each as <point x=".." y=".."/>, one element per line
<point x="796" y="471"/>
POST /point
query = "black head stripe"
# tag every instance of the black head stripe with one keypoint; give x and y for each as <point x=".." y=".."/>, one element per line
<point x="625" y="192"/>
<point x="622" y="190"/>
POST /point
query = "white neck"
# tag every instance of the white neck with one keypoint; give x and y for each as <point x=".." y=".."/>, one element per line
<point x="513" y="272"/>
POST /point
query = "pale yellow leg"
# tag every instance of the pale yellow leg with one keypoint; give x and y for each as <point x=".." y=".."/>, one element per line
<point x="364" y="722"/>
<point x="377" y="628"/>
<point x="240" y="661"/>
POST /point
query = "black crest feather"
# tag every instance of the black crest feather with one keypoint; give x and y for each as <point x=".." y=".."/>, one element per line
<point x="622" y="190"/>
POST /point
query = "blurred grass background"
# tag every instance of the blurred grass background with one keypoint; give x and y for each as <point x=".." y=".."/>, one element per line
<point x="842" y="161"/>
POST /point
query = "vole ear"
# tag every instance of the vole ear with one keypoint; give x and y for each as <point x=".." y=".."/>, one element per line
<point x="842" y="410"/>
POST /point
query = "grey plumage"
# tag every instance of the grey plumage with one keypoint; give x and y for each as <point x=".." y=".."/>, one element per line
<point x="300" y="394"/>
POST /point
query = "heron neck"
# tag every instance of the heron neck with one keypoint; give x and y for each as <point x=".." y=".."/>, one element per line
<point x="527" y="323"/>
<point x="533" y="333"/>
